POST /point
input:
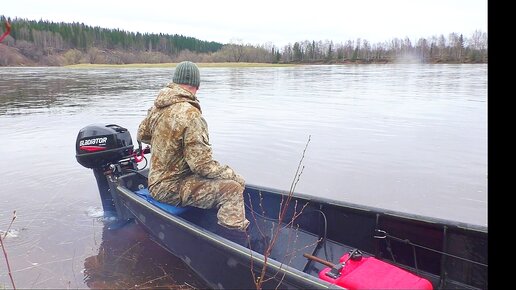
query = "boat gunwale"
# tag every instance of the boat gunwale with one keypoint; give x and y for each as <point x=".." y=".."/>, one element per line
<point x="372" y="209"/>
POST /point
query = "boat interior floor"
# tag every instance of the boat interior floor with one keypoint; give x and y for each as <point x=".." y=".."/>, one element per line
<point x="287" y="242"/>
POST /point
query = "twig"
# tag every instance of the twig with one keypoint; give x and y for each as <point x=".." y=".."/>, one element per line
<point x="9" y="227"/>
<point x="261" y="202"/>
<point x="296" y="215"/>
<point x="150" y="281"/>
<point x="250" y="249"/>
<point x="253" y="212"/>
<point x="190" y="285"/>
<point x="283" y="208"/>
<point x="295" y="251"/>
<point x="293" y="186"/>
<point x="117" y="260"/>
<point x="73" y="268"/>
<point x="293" y="242"/>
<point x="283" y="261"/>
<point x="6" y="257"/>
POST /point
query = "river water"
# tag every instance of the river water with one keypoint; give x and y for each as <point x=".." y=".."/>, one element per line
<point x="405" y="137"/>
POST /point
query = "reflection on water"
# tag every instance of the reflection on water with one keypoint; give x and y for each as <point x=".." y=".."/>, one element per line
<point x="73" y="249"/>
<point x="128" y="259"/>
<point x="38" y="90"/>
<point x="411" y="138"/>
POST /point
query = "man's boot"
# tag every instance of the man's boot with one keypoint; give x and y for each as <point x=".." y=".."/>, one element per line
<point x="233" y="235"/>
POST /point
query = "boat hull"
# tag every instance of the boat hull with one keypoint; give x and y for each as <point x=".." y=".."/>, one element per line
<point x="386" y="235"/>
<point x="222" y="264"/>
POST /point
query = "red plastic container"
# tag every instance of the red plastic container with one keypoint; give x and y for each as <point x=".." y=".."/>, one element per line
<point x="371" y="273"/>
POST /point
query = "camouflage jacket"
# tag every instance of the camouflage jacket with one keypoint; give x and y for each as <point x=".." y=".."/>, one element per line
<point x="178" y="135"/>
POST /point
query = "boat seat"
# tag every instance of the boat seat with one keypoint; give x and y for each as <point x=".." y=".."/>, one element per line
<point x="175" y="210"/>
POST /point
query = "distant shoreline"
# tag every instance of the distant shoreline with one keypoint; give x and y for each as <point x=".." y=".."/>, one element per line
<point x="215" y="65"/>
<point x="167" y="65"/>
<point x="231" y="64"/>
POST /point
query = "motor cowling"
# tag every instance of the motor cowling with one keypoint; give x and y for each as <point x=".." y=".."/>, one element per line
<point x="98" y="145"/>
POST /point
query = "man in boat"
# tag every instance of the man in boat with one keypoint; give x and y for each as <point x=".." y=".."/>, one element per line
<point x="182" y="171"/>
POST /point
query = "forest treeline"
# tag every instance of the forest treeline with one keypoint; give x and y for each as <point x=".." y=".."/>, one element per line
<point x="48" y="43"/>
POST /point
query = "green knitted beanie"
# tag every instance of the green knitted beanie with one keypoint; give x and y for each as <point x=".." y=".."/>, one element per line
<point x="187" y="73"/>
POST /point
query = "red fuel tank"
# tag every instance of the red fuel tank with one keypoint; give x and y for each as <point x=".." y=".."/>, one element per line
<point x="371" y="273"/>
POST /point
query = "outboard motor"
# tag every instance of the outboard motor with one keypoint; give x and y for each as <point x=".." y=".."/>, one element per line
<point x="99" y="146"/>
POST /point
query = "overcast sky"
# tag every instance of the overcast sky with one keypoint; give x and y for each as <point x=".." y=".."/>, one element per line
<point x="259" y="22"/>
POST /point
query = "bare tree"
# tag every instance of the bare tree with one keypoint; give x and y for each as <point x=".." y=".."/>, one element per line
<point x="422" y="49"/>
<point x="72" y="56"/>
<point x="236" y="50"/>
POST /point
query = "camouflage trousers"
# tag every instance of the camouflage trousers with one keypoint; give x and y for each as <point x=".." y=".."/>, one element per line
<point x="225" y="194"/>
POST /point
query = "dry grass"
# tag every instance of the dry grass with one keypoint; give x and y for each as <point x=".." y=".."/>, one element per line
<point x="167" y="65"/>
